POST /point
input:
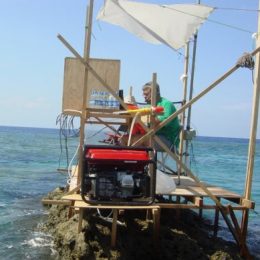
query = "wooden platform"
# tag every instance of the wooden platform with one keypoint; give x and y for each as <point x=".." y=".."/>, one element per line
<point x="80" y="205"/>
<point x="192" y="192"/>
<point x="188" y="189"/>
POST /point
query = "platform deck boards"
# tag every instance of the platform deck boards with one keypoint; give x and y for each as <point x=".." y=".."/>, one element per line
<point x="188" y="187"/>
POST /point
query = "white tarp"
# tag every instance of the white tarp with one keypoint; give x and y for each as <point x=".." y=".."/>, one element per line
<point x="172" y="25"/>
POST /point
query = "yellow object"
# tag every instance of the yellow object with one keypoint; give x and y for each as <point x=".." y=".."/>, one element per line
<point x="143" y="111"/>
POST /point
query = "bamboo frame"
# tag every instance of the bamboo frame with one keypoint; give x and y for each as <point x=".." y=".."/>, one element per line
<point x="241" y="240"/>
<point x="188" y="104"/>
<point x="238" y="234"/>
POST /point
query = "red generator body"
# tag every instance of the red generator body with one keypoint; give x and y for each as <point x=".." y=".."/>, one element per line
<point x="118" y="175"/>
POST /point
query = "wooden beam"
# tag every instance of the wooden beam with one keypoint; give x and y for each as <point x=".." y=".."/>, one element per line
<point x="193" y="206"/>
<point x="106" y="123"/>
<point x="110" y="115"/>
<point x="248" y="203"/>
<point x="156" y="225"/>
<point x="80" y="220"/>
<point x="222" y="209"/>
<point x="83" y="116"/>
<point x="197" y="201"/>
<point x="56" y="202"/>
<point x="93" y="71"/>
<point x="241" y="240"/>
<point x="76" y="189"/>
<point x="188" y="171"/>
<point x="254" y="121"/>
<point x="253" y="131"/>
<point x="188" y="104"/>
<point x="183" y="118"/>
<point x="153" y="104"/>
<point x="114" y="228"/>
<point x="82" y="204"/>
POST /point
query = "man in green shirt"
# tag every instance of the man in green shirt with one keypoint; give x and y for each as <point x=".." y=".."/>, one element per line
<point x="169" y="134"/>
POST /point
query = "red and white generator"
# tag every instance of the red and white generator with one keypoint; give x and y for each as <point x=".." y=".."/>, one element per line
<point x="118" y="175"/>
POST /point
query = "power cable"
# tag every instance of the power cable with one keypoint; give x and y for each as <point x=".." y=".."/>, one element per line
<point x="66" y="130"/>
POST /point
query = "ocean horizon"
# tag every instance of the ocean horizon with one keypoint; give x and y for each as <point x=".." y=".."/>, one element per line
<point x="30" y="157"/>
<point x="93" y="127"/>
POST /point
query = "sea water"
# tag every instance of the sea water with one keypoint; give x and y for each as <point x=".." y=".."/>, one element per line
<point x="30" y="157"/>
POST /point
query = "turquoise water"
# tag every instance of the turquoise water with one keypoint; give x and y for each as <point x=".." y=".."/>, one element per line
<point x="223" y="162"/>
<point x="29" y="158"/>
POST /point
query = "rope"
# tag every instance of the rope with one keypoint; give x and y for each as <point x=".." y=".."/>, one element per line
<point x="210" y="20"/>
<point x="237" y="9"/>
<point x="246" y="61"/>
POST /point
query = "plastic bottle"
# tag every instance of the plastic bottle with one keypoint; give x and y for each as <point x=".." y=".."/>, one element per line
<point x="110" y="101"/>
<point x="101" y="99"/>
<point x="98" y="99"/>
<point x="92" y="100"/>
<point x="106" y="99"/>
<point x="116" y="104"/>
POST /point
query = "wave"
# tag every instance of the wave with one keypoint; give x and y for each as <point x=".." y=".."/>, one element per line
<point x="39" y="239"/>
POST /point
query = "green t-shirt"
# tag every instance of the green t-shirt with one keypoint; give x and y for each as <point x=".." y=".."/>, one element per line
<point x="170" y="130"/>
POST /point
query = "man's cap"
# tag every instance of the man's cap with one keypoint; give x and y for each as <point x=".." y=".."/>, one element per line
<point x="149" y="85"/>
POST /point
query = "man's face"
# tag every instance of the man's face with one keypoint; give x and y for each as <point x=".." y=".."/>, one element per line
<point x="147" y="94"/>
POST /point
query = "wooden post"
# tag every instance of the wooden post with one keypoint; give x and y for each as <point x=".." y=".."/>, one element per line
<point x="195" y="39"/>
<point x="216" y="219"/>
<point x="241" y="241"/>
<point x="185" y="81"/>
<point x="80" y="220"/>
<point x="84" y="97"/>
<point x="114" y="228"/>
<point x="253" y="132"/>
<point x="204" y="188"/>
<point x="154" y="95"/>
<point x="130" y="91"/>
<point x="254" y="121"/>
<point x="156" y="226"/>
<point x="153" y="104"/>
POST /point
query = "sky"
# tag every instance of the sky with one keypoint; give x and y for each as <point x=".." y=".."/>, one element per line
<point x="32" y="62"/>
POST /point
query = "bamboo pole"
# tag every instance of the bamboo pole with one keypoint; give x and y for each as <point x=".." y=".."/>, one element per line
<point x="189" y="172"/>
<point x="130" y="91"/>
<point x="84" y="97"/>
<point x="153" y="104"/>
<point x="254" y="121"/>
<point x="253" y="132"/>
<point x="221" y="208"/>
<point x="188" y="104"/>
<point x="194" y="51"/>
<point x="185" y="81"/>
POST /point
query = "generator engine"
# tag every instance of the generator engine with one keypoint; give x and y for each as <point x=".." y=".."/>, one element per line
<point x="118" y="175"/>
